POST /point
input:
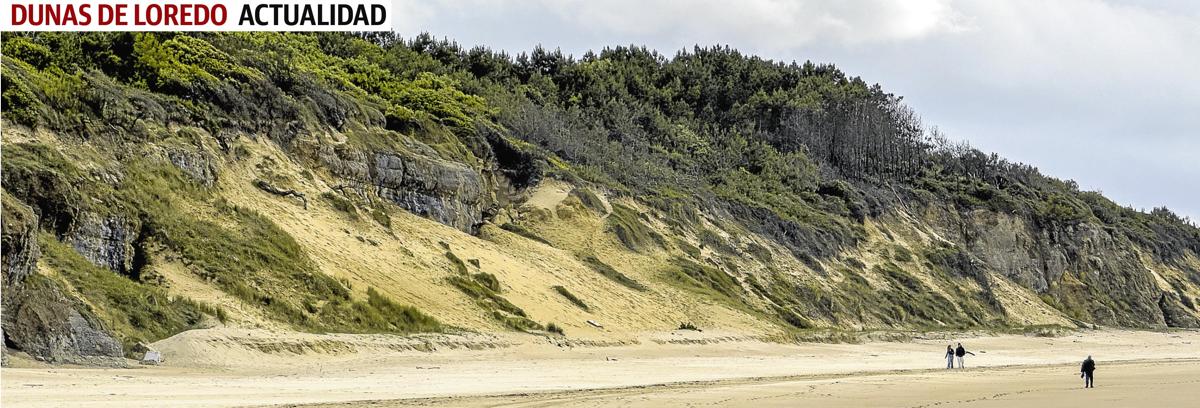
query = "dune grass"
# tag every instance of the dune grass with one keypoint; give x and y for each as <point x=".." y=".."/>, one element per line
<point x="626" y="223"/>
<point x="575" y="300"/>
<point x="609" y="272"/>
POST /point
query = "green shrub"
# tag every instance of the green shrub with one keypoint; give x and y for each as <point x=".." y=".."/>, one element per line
<point x="377" y="315"/>
<point x="24" y="49"/>
<point x="609" y="272"/>
<point x="712" y="240"/>
<point x="21" y="104"/>
<point x="341" y="204"/>
<point x="703" y="278"/>
<point x="457" y="263"/>
<point x="687" y="248"/>
<point x="758" y="251"/>
<point x="553" y="328"/>
<point x="571" y="297"/>
<point x="380" y="215"/>
<point x="629" y="228"/>
<point x="912" y="302"/>
<point x="519" y="323"/>
<point x="1061" y="209"/>
<point x="901" y="254"/>
<point x="485" y="296"/>
<point x="589" y="199"/>
<point x="522" y="231"/>
<point x="42" y="177"/>
<point x="487" y="280"/>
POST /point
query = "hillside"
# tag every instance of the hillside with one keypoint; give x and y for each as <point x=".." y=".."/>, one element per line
<point x="155" y="183"/>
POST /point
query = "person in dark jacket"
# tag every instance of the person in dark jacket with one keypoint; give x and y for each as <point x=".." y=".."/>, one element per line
<point x="1086" y="371"/>
<point x="949" y="356"/>
<point x="960" y="352"/>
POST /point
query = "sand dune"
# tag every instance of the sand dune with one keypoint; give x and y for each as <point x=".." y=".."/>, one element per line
<point x="240" y="369"/>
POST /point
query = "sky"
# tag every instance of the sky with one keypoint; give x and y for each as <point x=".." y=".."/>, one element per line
<point x="1106" y="93"/>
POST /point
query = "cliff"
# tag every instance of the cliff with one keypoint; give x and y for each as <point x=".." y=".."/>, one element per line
<point x="155" y="183"/>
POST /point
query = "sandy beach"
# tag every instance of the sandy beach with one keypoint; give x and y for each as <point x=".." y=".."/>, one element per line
<point x="1169" y="383"/>
<point x="232" y="368"/>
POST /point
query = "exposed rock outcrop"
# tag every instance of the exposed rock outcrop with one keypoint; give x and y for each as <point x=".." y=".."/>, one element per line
<point x="447" y="192"/>
<point x="1095" y="275"/>
<point x="37" y="317"/>
<point x="43" y="322"/>
<point x="1175" y="311"/>
<point x="195" y="164"/>
<point x="106" y="242"/>
<point x="19" y="242"/>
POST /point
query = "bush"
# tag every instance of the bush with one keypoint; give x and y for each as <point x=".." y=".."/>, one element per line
<point x="609" y="272"/>
<point x="487" y="280"/>
<point x="712" y="240"/>
<point x="457" y="263"/>
<point x="341" y="204"/>
<point x="380" y="215"/>
<point x="704" y="278"/>
<point x="901" y="254"/>
<point x="627" y="224"/>
<point x="589" y="199"/>
<point x="571" y="297"/>
<point x="377" y="315"/>
<point x="519" y="323"/>
<point x="519" y="230"/>
<point x="1061" y="209"/>
<point x="480" y="288"/>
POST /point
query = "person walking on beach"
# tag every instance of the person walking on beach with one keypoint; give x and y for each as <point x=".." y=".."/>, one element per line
<point x="1089" y="366"/>
<point x="960" y="352"/>
<point x="949" y="356"/>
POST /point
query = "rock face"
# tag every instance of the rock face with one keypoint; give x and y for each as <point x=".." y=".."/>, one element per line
<point x="19" y="242"/>
<point x="43" y="322"/>
<point x="106" y="242"/>
<point x="1094" y="275"/>
<point x="447" y="192"/>
<point x="195" y="164"/>
<point x="38" y="318"/>
<point x="1175" y="311"/>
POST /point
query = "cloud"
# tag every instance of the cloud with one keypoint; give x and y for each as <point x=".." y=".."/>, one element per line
<point x="770" y="24"/>
<point x="1103" y="92"/>
<point x="773" y="23"/>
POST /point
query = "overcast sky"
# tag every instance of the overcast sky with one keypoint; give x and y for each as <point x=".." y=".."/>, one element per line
<point x="1103" y="92"/>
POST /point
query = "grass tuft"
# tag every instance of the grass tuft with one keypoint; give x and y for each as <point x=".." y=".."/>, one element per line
<point x="629" y="228"/>
<point x="341" y="204"/>
<point x="571" y="297"/>
<point x="609" y="272"/>
<point x="522" y="231"/>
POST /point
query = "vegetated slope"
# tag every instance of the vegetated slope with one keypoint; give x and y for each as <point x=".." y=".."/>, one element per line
<point x="334" y="183"/>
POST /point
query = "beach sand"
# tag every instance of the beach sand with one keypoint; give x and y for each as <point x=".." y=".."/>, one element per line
<point x="1165" y="383"/>
<point x="1134" y="368"/>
